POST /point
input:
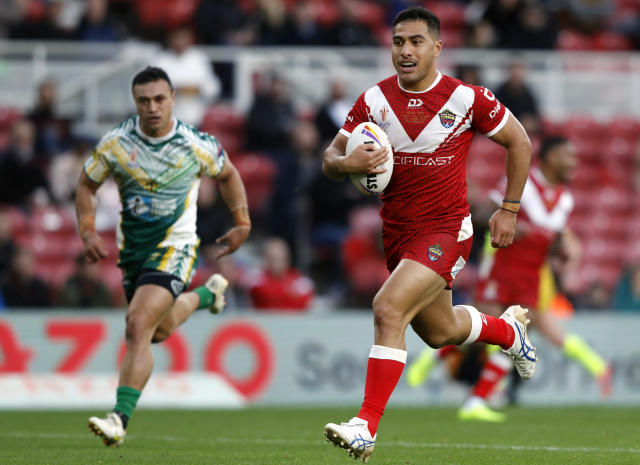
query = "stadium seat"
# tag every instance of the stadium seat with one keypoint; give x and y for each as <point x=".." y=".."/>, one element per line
<point x="8" y="116"/>
<point x="611" y="41"/>
<point x="573" y="41"/>
<point x="581" y="126"/>
<point x="180" y="12"/>
<point x="372" y="15"/>
<point x="152" y="12"/>
<point x="258" y="173"/>
<point x="451" y="15"/>
<point x="222" y="117"/>
<point x="624" y="126"/>
<point x="326" y="12"/>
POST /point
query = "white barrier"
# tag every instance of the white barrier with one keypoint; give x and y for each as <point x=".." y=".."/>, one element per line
<point x="71" y="359"/>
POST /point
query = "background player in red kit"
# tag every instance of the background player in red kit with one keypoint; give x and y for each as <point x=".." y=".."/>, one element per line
<point x="513" y="275"/>
<point x="430" y="119"/>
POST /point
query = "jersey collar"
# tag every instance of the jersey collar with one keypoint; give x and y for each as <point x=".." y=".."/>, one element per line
<point x="433" y="84"/>
<point x="156" y="140"/>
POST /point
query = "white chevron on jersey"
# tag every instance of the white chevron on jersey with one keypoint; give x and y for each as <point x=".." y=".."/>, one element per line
<point x="533" y="204"/>
<point x="434" y="133"/>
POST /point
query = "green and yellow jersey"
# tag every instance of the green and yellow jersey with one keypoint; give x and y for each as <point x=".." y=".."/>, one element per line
<point x="158" y="181"/>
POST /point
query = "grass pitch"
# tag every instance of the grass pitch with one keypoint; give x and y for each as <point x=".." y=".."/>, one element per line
<point x="290" y="436"/>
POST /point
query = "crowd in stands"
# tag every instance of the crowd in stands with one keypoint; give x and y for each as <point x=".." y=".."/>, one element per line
<point x="313" y="238"/>
<point x="522" y="24"/>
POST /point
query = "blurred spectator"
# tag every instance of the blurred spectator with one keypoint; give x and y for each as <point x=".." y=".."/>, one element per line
<point x="284" y="217"/>
<point x="468" y="73"/>
<point x="64" y="171"/>
<point x="45" y="26"/>
<point x="517" y="96"/>
<point x="503" y="17"/>
<point x="301" y="27"/>
<point x="271" y="117"/>
<point x="535" y="29"/>
<point x="272" y="18"/>
<point x="214" y="218"/>
<point x="20" y="285"/>
<point x="84" y="288"/>
<point x="7" y="245"/>
<point x="96" y="25"/>
<point x="52" y="130"/>
<point x="332" y="113"/>
<point x="277" y="285"/>
<point x="21" y="167"/>
<point x="587" y="16"/>
<point x="331" y="203"/>
<point x="627" y="294"/>
<point x="10" y="13"/>
<point x="347" y="30"/>
<point x="222" y="22"/>
<point x="363" y="257"/>
<point x="596" y="296"/>
<point x="191" y="74"/>
<point x="481" y="35"/>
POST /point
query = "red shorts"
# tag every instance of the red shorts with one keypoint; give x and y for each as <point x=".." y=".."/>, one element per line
<point x="439" y="251"/>
<point x="512" y="289"/>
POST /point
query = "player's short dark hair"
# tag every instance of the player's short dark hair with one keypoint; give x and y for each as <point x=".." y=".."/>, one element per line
<point x="418" y="13"/>
<point x="151" y="74"/>
<point x="550" y="143"/>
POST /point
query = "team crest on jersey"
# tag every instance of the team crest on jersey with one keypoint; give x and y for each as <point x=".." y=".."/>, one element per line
<point x="447" y="118"/>
<point x="435" y="252"/>
<point x="133" y="156"/>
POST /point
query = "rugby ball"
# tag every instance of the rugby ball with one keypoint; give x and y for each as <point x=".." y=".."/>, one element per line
<point x="371" y="133"/>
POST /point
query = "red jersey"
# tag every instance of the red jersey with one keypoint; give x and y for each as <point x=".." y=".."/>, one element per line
<point x="544" y="212"/>
<point x="430" y="132"/>
<point x="289" y="292"/>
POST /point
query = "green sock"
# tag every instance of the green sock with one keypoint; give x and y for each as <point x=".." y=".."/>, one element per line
<point x="575" y="347"/>
<point x="206" y="297"/>
<point x="126" y="400"/>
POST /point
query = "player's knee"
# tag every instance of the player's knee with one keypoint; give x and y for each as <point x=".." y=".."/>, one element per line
<point x="385" y="315"/>
<point x="438" y="340"/>
<point x="137" y="329"/>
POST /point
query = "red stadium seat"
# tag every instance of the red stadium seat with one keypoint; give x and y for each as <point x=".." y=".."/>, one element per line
<point x="451" y="14"/>
<point x="326" y="12"/>
<point x="152" y="12"/>
<point x="222" y="117"/>
<point x="8" y="116"/>
<point x="180" y="12"/>
<point x="258" y="173"/>
<point x="611" y="41"/>
<point x="581" y="126"/>
<point x="624" y="126"/>
<point x="574" y="41"/>
<point x="371" y="15"/>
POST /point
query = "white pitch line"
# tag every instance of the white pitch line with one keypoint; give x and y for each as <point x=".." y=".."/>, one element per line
<point x="418" y="445"/>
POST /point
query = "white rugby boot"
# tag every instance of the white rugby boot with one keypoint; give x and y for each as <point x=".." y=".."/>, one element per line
<point x="353" y="436"/>
<point x="522" y="352"/>
<point x="217" y="284"/>
<point x="110" y="429"/>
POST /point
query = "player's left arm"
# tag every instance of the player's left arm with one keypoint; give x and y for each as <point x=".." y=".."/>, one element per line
<point x="234" y="196"/>
<point x="513" y="137"/>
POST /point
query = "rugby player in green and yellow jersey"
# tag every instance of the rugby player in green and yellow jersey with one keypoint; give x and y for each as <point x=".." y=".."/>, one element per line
<point x="157" y="162"/>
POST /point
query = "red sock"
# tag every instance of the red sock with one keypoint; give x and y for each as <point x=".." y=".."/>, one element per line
<point x="496" y="331"/>
<point x="485" y="328"/>
<point x="490" y="376"/>
<point x="383" y="372"/>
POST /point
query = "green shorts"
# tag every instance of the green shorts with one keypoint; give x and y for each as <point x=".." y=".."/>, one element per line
<point x="181" y="263"/>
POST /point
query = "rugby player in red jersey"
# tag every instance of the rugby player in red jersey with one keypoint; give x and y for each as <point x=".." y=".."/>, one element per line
<point x="430" y="119"/>
<point x="513" y="275"/>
